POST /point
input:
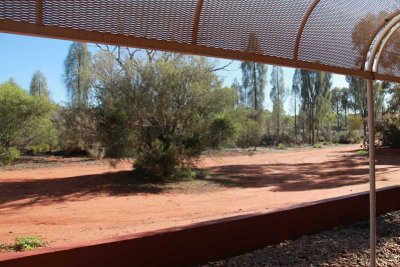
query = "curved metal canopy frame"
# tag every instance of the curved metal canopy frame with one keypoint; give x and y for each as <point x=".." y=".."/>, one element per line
<point x="385" y="33"/>
<point x="301" y="29"/>
<point x="39" y="28"/>
<point x="374" y="48"/>
<point x="375" y="35"/>
<point x="384" y="45"/>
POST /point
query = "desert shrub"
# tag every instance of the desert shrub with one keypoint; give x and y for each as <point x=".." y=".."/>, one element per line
<point x="355" y="137"/>
<point x="222" y="131"/>
<point x="250" y="134"/>
<point x="249" y="127"/>
<point x="362" y="152"/>
<point x="388" y="131"/>
<point x="157" y="159"/>
<point x="182" y="174"/>
<point x="8" y="155"/>
<point x="344" y="139"/>
<point x="28" y="243"/>
<point x="347" y="137"/>
<point x="355" y="122"/>
<point x="118" y="136"/>
<point x="41" y="148"/>
<point x="22" y="244"/>
<point x="79" y="129"/>
<point x="268" y="140"/>
<point x="163" y="157"/>
<point x="281" y="146"/>
<point x="162" y="111"/>
<point x="25" y="120"/>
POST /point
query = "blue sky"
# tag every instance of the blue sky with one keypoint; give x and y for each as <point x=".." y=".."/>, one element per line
<point x="21" y="56"/>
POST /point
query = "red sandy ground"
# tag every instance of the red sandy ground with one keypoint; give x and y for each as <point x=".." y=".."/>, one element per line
<point x="75" y="203"/>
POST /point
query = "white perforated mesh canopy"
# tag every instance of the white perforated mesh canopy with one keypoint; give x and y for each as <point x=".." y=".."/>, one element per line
<point x="326" y="35"/>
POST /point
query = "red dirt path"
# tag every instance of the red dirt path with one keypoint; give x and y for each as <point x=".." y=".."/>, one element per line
<point x="70" y="204"/>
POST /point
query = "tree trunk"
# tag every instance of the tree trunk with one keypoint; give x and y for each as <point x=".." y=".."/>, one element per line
<point x="364" y="118"/>
<point x="279" y="106"/>
<point x="295" y="117"/>
<point x="312" y="127"/>
<point x="255" y="87"/>
<point x="337" y="117"/>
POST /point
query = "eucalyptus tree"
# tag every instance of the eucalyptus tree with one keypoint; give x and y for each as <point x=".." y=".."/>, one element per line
<point x="394" y="97"/>
<point x="345" y="103"/>
<point x="277" y="96"/>
<point x="323" y="101"/>
<point x="254" y="81"/>
<point x="296" y="92"/>
<point x="77" y="74"/>
<point x="337" y="105"/>
<point x="379" y="99"/>
<point x="315" y="95"/>
<point x="358" y="98"/>
<point x="241" y="98"/>
<point x="38" y="86"/>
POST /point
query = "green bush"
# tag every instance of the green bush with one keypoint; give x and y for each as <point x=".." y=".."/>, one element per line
<point x="8" y="155"/>
<point x="25" y="120"/>
<point x="166" y="161"/>
<point x="250" y="134"/>
<point x="157" y="159"/>
<point x="222" y="131"/>
<point x="28" y="243"/>
<point x="183" y="174"/>
<point x="388" y="131"/>
<point x="40" y="149"/>
<point x="362" y="152"/>
<point x="317" y="146"/>
<point x="347" y="137"/>
<point x="281" y="146"/>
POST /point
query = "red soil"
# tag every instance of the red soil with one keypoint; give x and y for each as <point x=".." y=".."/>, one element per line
<point x="75" y="203"/>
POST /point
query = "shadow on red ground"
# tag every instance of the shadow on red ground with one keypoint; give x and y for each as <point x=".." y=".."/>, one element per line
<point x="343" y="170"/>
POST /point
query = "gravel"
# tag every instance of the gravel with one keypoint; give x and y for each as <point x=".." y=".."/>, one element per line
<point x="341" y="246"/>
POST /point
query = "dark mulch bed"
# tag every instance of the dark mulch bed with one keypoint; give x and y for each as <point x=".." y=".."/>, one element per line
<point x="342" y="246"/>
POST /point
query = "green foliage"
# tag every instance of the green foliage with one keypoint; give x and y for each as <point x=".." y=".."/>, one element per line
<point x="25" y="119"/>
<point x="28" y="243"/>
<point x="277" y="96"/>
<point x="41" y="148"/>
<point x="317" y="146"/>
<point x="8" y="155"/>
<point x="253" y="80"/>
<point x="184" y="174"/>
<point x="362" y="152"/>
<point x="355" y="123"/>
<point x="281" y="146"/>
<point x="222" y="131"/>
<point x="388" y="131"/>
<point x="79" y="129"/>
<point x="250" y="133"/>
<point x="316" y="100"/>
<point x="5" y="247"/>
<point x="394" y="101"/>
<point x="161" y="110"/>
<point x="77" y="74"/>
<point x="157" y="159"/>
<point x="38" y="85"/>
<point x="347" y="137"/>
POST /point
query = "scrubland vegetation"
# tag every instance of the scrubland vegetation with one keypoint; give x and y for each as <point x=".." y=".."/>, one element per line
<point x="164" y="110"/>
